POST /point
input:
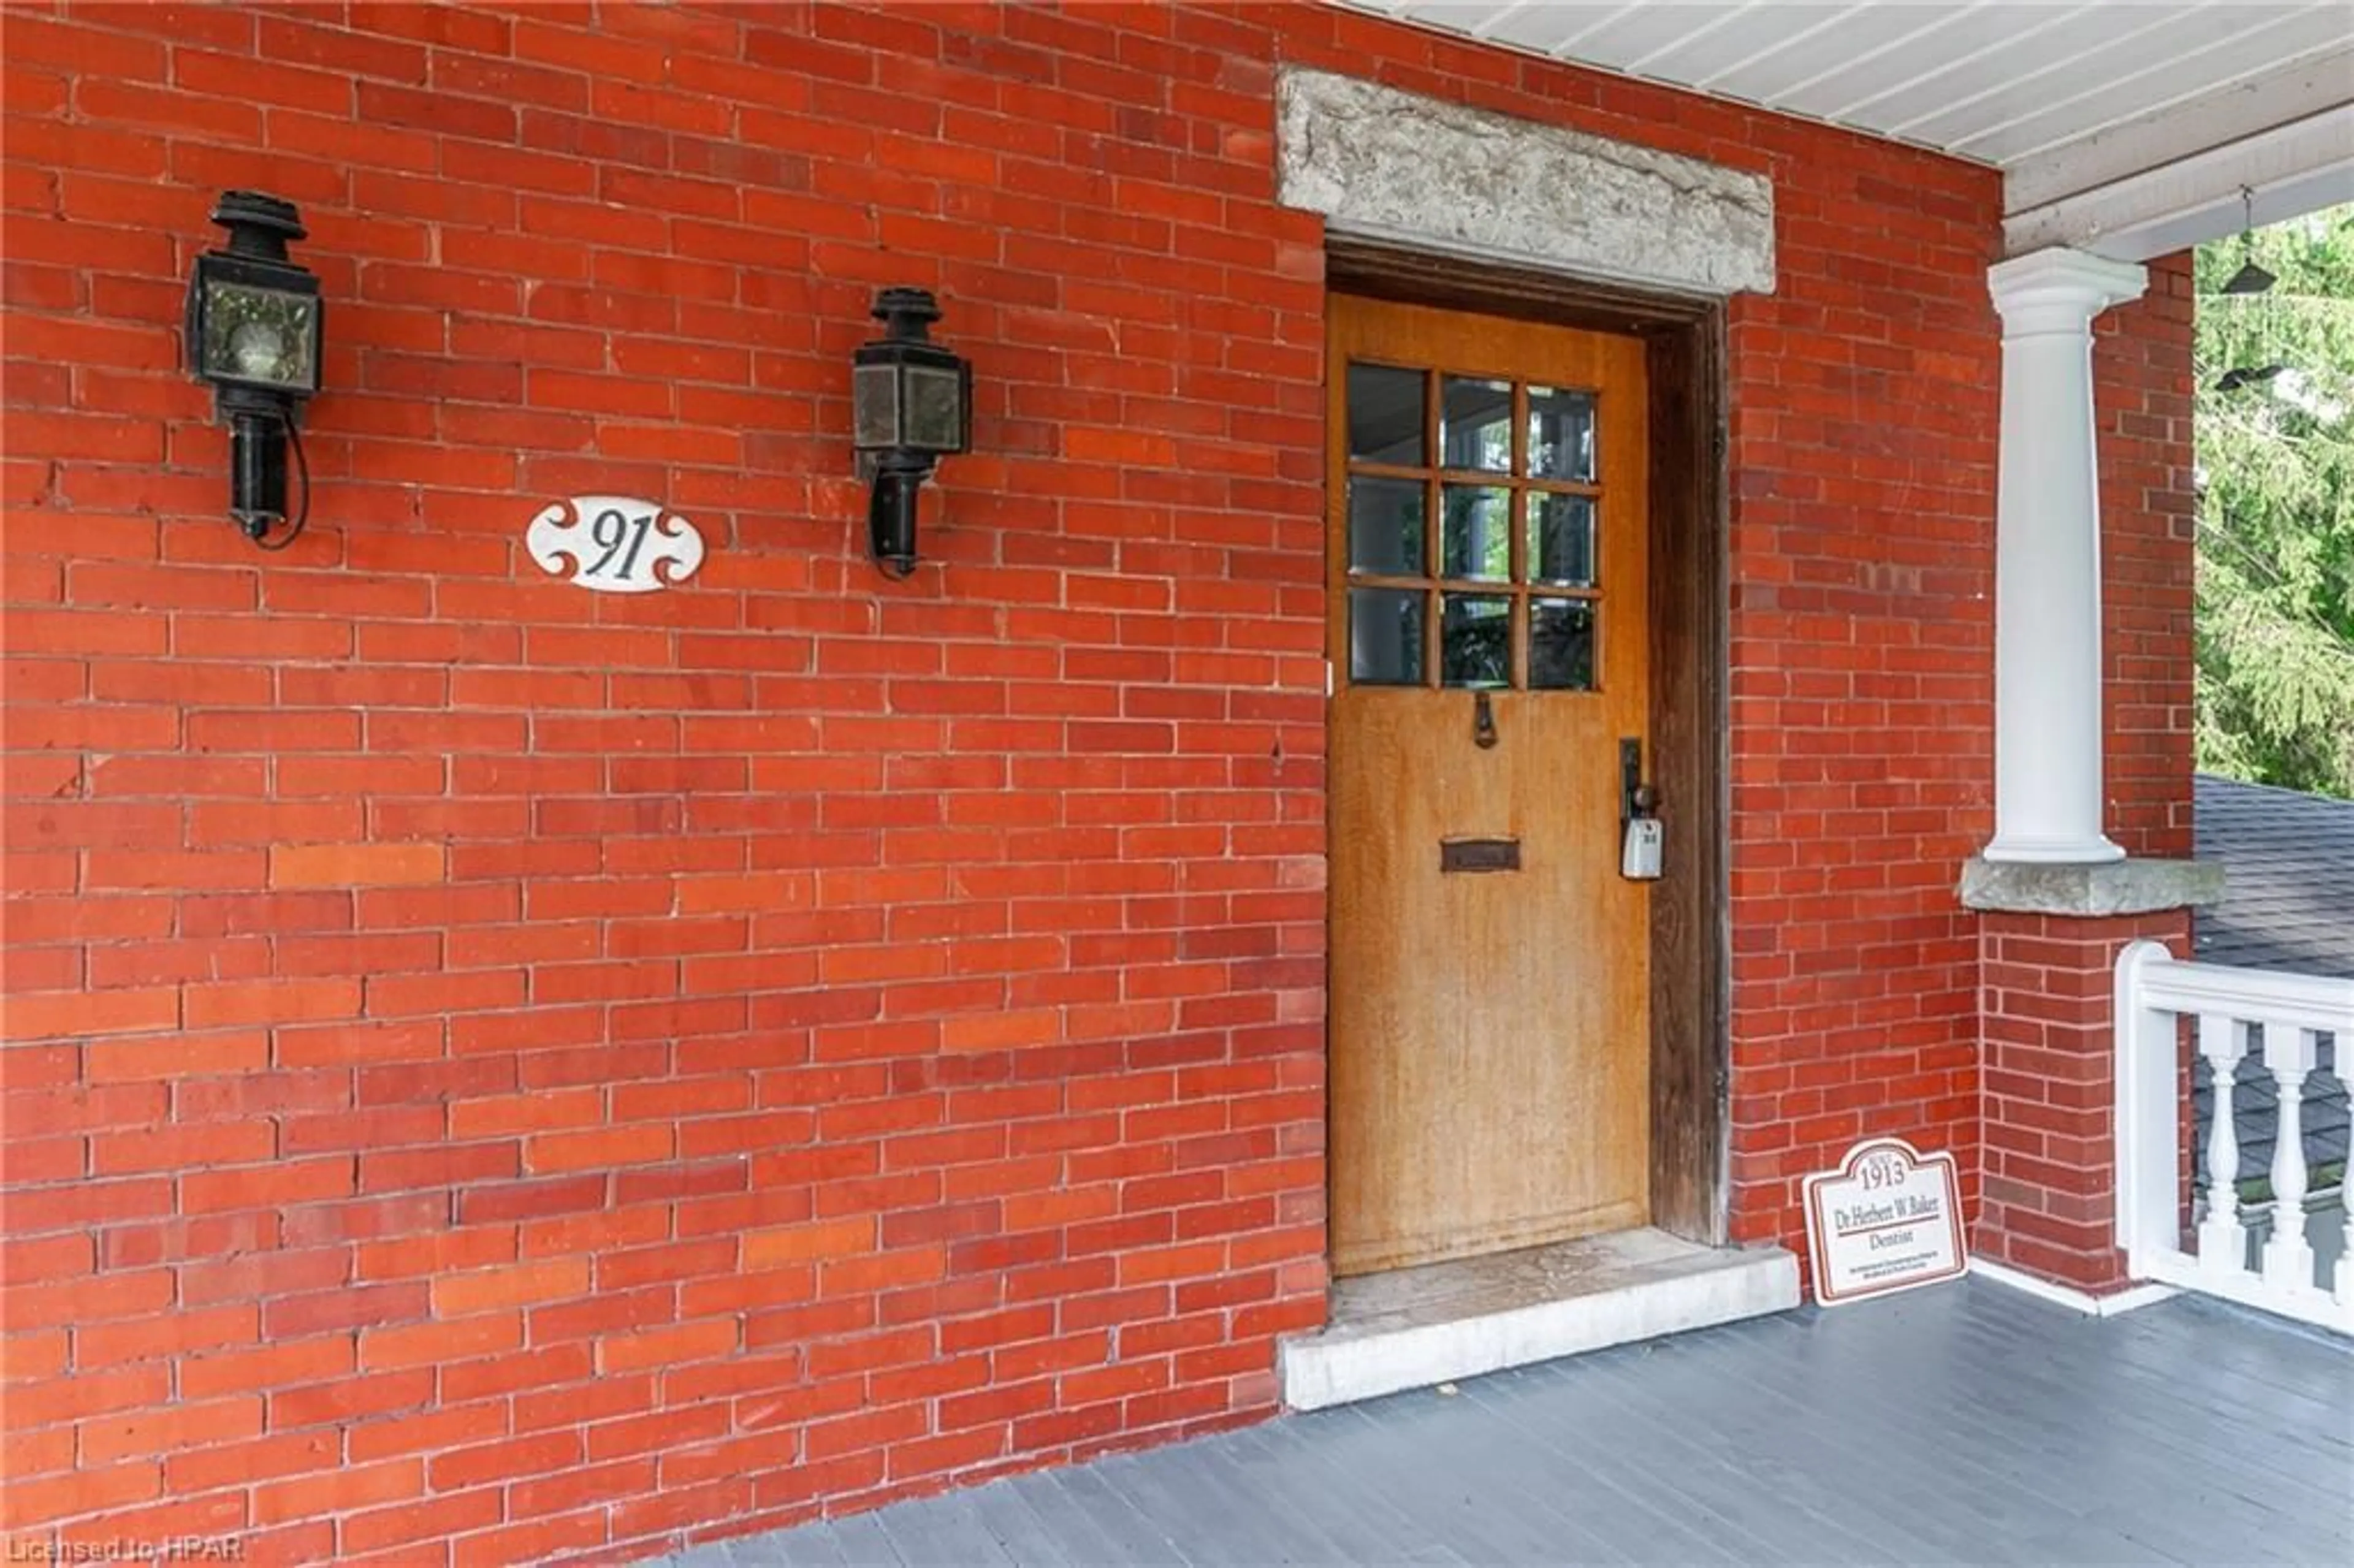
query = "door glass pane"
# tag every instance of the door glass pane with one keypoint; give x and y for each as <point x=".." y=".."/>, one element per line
<point x="1475" y="424"/>
<point x="1475" y="632"/>
<point x="1385" y="526"/>
<point x="1384" y="637"/>
<point x="1560" y="540"/>
<point x="1561" y="434"/>
<point x="1477" y="538"/>
<point x="1561" y="645"/>
<point x="1385" y="415"/>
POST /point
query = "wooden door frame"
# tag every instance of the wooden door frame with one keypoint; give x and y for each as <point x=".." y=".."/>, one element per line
<point x="1692" y="949"/>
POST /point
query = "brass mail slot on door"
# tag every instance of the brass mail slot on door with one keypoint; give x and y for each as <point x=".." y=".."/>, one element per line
<point x="1479" y="855"/>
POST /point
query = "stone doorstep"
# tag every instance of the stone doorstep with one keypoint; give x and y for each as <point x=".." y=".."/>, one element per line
<point x="1412" y="1327"/>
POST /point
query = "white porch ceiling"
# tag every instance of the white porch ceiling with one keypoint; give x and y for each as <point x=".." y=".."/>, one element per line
<point x="2133" y="111"/>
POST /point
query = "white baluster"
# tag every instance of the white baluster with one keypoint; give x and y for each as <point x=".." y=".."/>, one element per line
<point x="2290" y="1053"/>
<point x="2338" y="1217"/>
<point x="2222" y="1245"/>
<point x="2341" y="1217"/>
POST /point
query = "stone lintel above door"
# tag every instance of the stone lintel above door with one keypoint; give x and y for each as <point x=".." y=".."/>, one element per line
<point x="1389" y="165"/>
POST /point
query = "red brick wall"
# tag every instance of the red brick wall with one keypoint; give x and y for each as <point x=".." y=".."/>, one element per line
<point x="2142" y="372"/>
<point x="520" y="1071"/>
<point x="2050" y="1091"/>
<point x="1863" y="402"/>
<point x="505" y="1065"/>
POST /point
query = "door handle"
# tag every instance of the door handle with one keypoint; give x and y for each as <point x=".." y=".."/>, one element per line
<point x="1641" y="856"/>
<point x="1635" y="798"/>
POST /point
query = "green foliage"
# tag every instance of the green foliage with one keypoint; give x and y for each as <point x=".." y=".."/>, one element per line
<point x="2275" y="456"/>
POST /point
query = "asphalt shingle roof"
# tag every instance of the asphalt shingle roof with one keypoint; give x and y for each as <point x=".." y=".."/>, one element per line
<point x="2289" y="902"/>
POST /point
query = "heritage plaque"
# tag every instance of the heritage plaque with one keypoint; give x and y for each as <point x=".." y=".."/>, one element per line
<point x="1888" y="1219"/>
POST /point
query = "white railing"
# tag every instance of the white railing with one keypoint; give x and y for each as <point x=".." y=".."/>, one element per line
<point x="2275" y="1240"/>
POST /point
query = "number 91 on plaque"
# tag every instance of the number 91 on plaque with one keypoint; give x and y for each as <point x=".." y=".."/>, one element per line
<point x="614" y="544"/>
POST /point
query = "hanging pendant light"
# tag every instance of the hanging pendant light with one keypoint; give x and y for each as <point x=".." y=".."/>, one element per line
<point x="2250" y="279"/>
<point x="2240" y="376"/>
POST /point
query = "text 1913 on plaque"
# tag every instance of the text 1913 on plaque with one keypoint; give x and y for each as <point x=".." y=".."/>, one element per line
<point x="1888" y="1219"/>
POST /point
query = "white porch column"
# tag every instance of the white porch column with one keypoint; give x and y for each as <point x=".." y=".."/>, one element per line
<point x="2047" y="613"/>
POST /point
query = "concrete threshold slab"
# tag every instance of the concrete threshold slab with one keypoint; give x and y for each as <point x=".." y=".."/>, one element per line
<point x="1412" y="1327"/>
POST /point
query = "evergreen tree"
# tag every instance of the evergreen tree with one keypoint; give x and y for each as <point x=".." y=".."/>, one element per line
<point x="2274" y="436"/>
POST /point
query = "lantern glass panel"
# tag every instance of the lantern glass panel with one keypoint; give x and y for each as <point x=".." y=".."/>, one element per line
<point x="263" y="337"/>
<point x="935" y="408"/>
<point x="874" y="407"/>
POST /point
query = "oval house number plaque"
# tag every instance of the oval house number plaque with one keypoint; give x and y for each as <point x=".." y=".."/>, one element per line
<point x="614" y="544"/>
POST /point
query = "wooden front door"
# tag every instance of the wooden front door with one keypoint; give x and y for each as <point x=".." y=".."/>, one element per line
<point x="1490" y="1015"/>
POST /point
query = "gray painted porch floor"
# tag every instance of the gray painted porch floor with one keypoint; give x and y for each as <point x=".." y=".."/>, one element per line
<point x="1961" y="1424"/>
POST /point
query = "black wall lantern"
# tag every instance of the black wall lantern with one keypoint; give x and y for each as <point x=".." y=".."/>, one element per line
<point x="910" y="404"/>
<point x="253" y="330"/>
